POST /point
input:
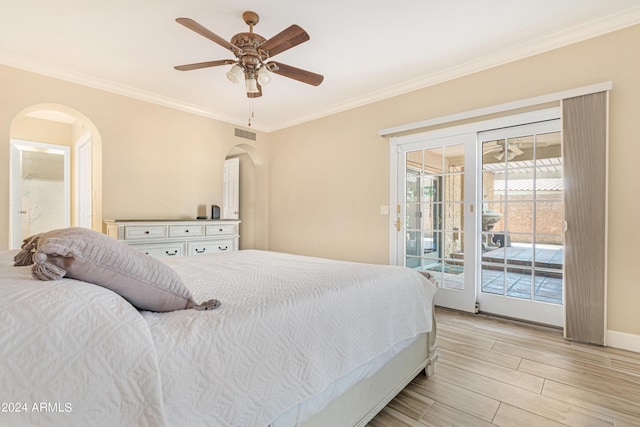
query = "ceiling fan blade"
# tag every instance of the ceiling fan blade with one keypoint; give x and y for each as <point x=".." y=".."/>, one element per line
<point x="299" y="74"/>
<point x="491" y="149"/>
<point x="198" y="65"/>
<point x="194" y="26"/>
<point x="515" y="150"/>
<point x="286" y="39"/>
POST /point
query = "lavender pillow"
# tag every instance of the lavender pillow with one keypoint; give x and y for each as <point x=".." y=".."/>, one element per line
<point x="83" y="254"/>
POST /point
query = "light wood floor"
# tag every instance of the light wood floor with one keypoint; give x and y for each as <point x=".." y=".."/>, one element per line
<point x="499" y="372"/>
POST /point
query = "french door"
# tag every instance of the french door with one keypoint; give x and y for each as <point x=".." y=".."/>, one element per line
<point x="482" y="213"/>
<point x="522" y="222"/>
<point x="434" y="220"/>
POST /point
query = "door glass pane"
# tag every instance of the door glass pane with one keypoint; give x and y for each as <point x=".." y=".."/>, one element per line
<point x="522" y="217"/>
<point x="434" y="202"/>
<point x="433" y="161"/>
<point x="413" y="165"/>
<point x="519" y="217"/>
<point x="412" y="189"/>
<point x="429" y="189"/>
<point x="521" y="250"/>
<point x="518" y="282"/>
<point x="413" y="216"/>
<point x="549" y="217"/>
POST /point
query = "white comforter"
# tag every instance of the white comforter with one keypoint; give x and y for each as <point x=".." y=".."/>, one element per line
<point x="287" y="327"/>
<point x="73" y="354"/>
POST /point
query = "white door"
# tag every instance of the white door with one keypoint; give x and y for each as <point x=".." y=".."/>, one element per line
<point x="231" y="189"/>
<point x="40" y="189"/>
<point x="521" y="195"/>
<point x="435" y="224"/>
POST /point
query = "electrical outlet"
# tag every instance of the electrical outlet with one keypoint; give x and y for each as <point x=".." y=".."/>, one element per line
<point x="384" y="209"/>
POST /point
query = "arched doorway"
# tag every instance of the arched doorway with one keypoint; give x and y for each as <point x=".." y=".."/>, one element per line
<point x="37" y="133"/>
<point x="253" y="196"/>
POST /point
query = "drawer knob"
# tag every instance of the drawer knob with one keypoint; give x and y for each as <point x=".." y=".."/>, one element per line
<point x="146" y="232"/>
<point x="186" y="231"/>
<point x="175" y="252"/>
<point x="201" y="251"/>
<point x="220" y="229"/>
<point x="223" y="248"/>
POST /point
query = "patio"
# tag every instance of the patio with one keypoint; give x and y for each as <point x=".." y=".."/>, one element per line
<point x="507" y="271"/>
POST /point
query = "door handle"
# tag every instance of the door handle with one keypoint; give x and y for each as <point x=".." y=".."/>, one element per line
<point x="398" y="224"/>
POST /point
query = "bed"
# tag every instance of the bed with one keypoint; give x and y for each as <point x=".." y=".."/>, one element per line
<point x="296" y="341"/>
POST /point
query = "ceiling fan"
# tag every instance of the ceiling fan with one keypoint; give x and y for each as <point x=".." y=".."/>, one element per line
<point x="511" y="150"/>
<point x="252" y="51"/>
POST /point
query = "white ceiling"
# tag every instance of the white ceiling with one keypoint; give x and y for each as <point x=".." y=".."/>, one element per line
<point x="366" y="50"/>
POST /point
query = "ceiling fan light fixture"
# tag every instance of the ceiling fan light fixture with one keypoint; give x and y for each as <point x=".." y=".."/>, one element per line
<point x="235" y="74"/>
<point x="264" y="76"/>
<point x="252" y="85"/>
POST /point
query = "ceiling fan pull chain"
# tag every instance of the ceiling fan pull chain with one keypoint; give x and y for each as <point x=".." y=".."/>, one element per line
<point x="251" y="112"/>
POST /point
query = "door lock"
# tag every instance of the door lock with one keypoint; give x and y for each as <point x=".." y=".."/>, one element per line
<point x="398" y="224"/>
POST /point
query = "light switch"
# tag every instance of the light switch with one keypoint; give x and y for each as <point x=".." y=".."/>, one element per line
<point x="384" y="209"/>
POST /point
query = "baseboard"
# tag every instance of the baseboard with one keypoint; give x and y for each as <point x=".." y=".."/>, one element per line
<point x="623" y="341"/>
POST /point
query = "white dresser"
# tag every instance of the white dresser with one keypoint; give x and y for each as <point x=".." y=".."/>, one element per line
<point x="163" y="238"/>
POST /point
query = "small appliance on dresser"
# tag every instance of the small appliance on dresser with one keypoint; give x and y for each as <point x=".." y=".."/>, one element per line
<point x="163" y="238"/>
<point x="215" y="212"/>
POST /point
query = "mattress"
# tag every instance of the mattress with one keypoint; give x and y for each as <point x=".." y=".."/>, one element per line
<point x="292" y="333"/>
<point x="287" y="328"/>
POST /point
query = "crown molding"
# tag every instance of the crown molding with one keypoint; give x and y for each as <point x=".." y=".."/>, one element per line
<point x="75" y="77"/>
<point x="573" y="35"/>
<point x="567" y="37"/>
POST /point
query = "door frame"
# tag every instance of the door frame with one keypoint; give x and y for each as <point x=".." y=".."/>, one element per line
<point x="396" y="159"/>
<point x="83" y="194"/>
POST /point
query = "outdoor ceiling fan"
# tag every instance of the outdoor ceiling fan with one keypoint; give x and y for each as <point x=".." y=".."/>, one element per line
<point x="252" y="51"/>
<point x="511" y="150"/>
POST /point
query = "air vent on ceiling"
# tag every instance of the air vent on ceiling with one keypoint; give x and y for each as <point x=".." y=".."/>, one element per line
<point x="245" y="134"/>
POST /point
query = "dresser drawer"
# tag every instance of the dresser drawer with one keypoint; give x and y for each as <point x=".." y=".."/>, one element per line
<point x="213" y="230"/>
<point x="143" y="232"/>
<point x="209" y="247"/>
<point x="162" y="250"/>
<point x="185" y="230"/>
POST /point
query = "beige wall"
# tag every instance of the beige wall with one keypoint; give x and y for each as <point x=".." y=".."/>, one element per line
<point x="32" y="129"/>
<point x="157" y="162"/>
<point x="328" y="177"/>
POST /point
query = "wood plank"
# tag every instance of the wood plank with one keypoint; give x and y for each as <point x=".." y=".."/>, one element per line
<point x="391" y="418"/>
<point x="622" y="389"/>
<point x="535" y="403"/>
<point x="592" y="400"/>
<point x="480" y="353"/>
<point x="454" y="396"/>
<point x="583" y="384"/>
<point x="411" y="404"/>
<point x="440" y="415"/>
<point x="520" y="379"/>
<point x="463" y="335"/>
<point x="521" y="347"/>
<point x="509" y="416"/>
